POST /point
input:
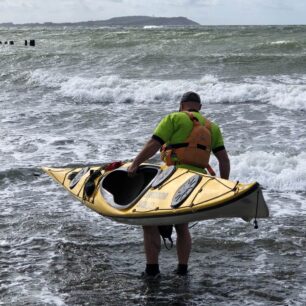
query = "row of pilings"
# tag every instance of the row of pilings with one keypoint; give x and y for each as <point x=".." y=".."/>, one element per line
<point x="30" y="42"/>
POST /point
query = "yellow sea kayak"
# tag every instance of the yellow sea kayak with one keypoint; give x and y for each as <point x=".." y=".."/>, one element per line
<point x="160" y="195"/>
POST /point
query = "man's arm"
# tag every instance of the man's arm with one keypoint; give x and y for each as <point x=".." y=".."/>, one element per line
<point x="224" y="164"/>
<point x="150" y="148"/>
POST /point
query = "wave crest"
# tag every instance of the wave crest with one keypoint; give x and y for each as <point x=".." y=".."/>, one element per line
<point x="275" y="171"/>
<point x="286" y="92"/>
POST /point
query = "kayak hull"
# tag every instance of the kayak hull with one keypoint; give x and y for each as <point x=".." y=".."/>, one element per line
<point x="241" y="208"/>
<point x="160" y="195"/>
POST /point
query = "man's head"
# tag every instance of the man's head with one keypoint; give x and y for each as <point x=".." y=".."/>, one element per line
<point x="190" y="101"/>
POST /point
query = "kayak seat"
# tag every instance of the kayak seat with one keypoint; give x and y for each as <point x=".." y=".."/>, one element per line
<point x="122" y="191"/>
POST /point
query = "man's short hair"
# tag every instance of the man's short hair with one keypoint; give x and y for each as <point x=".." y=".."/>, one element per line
<point x="190" y="96"/>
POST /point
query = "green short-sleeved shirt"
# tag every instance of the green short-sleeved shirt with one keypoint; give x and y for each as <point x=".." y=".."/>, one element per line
<point x="176" y="127"/>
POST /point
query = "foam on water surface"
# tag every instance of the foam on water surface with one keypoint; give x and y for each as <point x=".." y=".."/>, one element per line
<point x="283" y="92"/>
<point x="275" y="171"/>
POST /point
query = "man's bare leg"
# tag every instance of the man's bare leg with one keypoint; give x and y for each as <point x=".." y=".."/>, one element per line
<point x="183" y="247"/>
<point x="152" y="248"/>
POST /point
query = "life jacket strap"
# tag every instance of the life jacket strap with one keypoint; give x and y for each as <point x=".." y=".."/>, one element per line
<point x="183" y="145"/>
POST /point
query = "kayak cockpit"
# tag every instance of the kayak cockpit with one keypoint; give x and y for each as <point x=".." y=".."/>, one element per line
<point x="122" y="191"/>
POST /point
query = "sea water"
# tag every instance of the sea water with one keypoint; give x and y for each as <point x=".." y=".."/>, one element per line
<point x="94" y="95"/>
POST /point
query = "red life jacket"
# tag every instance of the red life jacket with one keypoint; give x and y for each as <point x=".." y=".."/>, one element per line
<point x="195" y="150"/>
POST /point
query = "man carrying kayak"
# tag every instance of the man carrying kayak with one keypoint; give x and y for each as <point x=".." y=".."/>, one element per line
<point x="185" y="139"/>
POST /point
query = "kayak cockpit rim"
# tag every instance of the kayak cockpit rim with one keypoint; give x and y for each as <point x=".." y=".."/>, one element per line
<point x="122" y="191"/>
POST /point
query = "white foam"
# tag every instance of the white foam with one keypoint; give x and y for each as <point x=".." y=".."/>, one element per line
<point x="116" y="89"/>
<point x="287" y="92"/>
<point x="209" y="78"/>
<point x="149" y="27"/>
<point x="281" y="42"/>
<point x="234" y="93"/>
<point x="275" y="171"/>
<point x="46" y="78"/>
<point x="4" y="243"/>
<point x="289" y="97"/>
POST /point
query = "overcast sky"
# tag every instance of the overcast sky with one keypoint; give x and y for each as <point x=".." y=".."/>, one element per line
<point x="206" y="12"/>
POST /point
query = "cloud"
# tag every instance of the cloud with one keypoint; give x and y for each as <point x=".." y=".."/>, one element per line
<point x="20" y="11"/>
<point x="271" y="4"/>
<point x="187" y="3"/>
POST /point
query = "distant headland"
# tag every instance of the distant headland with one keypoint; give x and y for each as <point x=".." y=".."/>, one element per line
<point x="132" y="21"/>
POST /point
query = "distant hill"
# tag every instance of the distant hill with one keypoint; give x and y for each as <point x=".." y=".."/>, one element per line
<point x="133" y="21"/>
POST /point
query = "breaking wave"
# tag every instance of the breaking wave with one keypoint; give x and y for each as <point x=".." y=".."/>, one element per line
<point x="284" y="92"/>
<point x="275" y="171"/>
